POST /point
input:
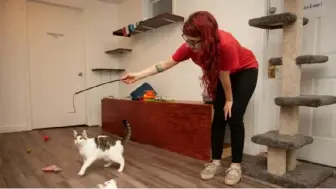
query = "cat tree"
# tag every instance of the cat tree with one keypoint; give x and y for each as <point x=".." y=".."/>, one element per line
<point x="283" y="143"/>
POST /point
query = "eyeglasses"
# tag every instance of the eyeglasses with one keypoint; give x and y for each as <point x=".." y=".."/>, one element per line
<point x="190" y="42"/>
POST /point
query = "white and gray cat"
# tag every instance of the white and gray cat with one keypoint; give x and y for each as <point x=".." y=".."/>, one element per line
<point x="101" y="147"/>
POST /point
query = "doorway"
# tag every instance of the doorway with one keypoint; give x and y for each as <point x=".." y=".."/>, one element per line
<point x="320" y="79"/>
<point x="57" y="64"/>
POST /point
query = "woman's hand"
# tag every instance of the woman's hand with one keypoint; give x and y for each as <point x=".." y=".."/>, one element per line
<point x="227" y="109"/>
<point x="130" y="78"/>
<point x="226" y="83"/>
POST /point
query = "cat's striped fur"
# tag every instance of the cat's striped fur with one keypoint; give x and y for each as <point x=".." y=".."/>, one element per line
<point x="105" y="142"/>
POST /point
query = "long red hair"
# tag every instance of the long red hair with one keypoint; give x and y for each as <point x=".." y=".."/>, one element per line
<point x="204" y="25"/>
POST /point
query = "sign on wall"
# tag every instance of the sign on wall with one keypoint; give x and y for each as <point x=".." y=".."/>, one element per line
<point x="55" y="35"/>
<point x="313" y="8"/>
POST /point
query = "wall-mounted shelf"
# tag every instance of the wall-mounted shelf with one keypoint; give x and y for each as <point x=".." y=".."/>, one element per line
<point x="150" y="24"/>
<point x="118" y="50"/>
<point x="108" y="70"/>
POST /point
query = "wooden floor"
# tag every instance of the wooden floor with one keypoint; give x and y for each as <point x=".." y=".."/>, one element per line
<point x="146" y="166"/>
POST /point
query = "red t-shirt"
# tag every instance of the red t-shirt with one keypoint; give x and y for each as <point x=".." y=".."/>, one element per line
<point x="233" y="56"/>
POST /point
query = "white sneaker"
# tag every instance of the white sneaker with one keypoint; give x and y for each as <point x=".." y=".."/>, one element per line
<point x="233" y="175"/>
<point x="211" y="169"/>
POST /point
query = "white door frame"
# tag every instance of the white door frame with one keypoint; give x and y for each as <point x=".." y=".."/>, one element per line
<point x="258" y="110"/>
<point x="29" y="114"/>
<point x="28" y="97"/>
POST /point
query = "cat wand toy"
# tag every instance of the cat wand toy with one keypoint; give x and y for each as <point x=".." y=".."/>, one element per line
<point x="73" y="98"/>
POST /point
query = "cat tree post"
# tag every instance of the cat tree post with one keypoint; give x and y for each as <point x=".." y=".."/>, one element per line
<point x="282" y="143"/>
<point x="291" y="72"/>
<point x="282" y="160"/>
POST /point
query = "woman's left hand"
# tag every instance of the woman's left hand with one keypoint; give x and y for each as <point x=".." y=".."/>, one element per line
<point x="227" y="109"/>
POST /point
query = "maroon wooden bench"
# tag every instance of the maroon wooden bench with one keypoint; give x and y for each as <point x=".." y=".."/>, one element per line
<point x="181" y="127"/>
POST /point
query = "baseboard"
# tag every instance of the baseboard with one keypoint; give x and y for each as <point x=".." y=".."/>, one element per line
<point x="13" y="128"/>
<point x="94" y="126"/>
<point x="251" y="149"/>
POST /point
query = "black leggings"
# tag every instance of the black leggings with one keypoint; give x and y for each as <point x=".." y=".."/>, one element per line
<point x="243" y="84"/>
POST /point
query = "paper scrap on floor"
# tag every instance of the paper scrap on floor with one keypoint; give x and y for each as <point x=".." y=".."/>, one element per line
<point x="52" y="168"/>
<point x="108" y="184"/>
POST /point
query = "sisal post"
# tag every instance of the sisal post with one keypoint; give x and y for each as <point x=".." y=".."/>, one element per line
<point x="276" y="161"/>
<point x="291" y="160"/>
<point x="291" y="74"/>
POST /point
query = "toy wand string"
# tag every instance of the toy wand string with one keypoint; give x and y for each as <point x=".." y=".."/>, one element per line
<point x="73" y="98"/>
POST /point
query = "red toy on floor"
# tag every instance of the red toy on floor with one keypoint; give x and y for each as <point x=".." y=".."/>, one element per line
<point x="52" y="168"/>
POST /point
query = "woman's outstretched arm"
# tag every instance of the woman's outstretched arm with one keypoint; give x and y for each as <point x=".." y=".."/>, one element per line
<point x="157" y="68"/>
<point x="152" y="70"/>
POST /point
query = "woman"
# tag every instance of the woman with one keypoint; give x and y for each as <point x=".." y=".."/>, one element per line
<point x="230" y="74"/>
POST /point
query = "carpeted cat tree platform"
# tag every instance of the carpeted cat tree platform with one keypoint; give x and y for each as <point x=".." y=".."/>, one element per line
<point x="281" y="166"/>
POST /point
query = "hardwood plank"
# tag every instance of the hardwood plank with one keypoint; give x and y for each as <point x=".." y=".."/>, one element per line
<point x="146" y="166"/>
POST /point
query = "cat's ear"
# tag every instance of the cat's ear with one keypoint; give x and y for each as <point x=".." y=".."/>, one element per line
<point x="84" y="134"/>
<point x="75" y="133"/>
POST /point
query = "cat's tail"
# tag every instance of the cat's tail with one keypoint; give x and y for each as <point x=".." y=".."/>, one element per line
<point x="128" y="132"/>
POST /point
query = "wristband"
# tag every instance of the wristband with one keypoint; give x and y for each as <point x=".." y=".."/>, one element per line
<point x="159" y="68"/>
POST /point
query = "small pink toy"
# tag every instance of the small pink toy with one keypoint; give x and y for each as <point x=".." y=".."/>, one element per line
<point x="52" y="168"/>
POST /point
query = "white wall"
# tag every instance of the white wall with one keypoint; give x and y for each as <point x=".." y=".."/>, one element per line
<point x="182" y="82"/>
<point x="13" y="64"/>
<point x="100" y="20"/>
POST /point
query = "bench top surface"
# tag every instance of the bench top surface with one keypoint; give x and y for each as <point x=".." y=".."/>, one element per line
<point x="171" y="102"/>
